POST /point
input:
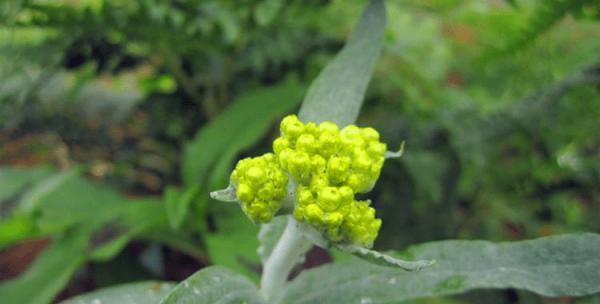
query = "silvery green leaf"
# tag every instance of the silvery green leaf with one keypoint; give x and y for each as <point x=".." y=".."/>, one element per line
<point x="383" y="259"/>
<point x="214" y="284"/>
<point x="132" y="293"/>
<point x="338" y="92"/>
<point x="562" y="265"/>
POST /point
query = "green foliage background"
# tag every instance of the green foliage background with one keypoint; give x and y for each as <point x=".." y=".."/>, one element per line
<point x="118" y="118"/>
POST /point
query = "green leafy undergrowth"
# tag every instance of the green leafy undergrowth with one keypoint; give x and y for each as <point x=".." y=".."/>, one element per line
<point x="563" y="265"/>
<point x="77" y="215"/>
<point x="206" y="165"/>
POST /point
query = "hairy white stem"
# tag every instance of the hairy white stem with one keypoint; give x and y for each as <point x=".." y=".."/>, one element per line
<point x="288" y="252"/>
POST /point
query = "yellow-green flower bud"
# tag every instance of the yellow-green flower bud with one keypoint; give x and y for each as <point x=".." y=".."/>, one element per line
<point x="306" y="142"/>
<point x="260" y="186"/>
<point x="361" y="226"/>
<point x="292" y="127"/>
<point x="329" y="166"/>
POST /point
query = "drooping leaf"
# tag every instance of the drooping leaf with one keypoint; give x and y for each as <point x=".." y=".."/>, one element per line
<point x="338" y="92"/>
<point x="214" y="284"/>
<point x="133" y="293"/>
<point x="49" y="272"/>
<point x="564" y="265"/>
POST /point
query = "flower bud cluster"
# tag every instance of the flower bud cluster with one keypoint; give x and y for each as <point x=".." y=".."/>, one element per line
<point x="260" y="186"/>
<point x="331" y="166"/>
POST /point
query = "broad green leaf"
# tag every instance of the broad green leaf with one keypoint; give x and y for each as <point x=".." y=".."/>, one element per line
<point x="236" y="129"/>
<point x="133" y="293"/>
<point x="15" y="228"/>
<point x="49" y="272"/>
<point x="79" y="210"/>
<point x="563" y="265"/>
<point x="234" y="243"/>
<point x="214" y="284"/>
<point x="58" y="202"/>
<point x="15" y="180"/>
<point x="31" y="199"/>
<point x="338" y="92"/>
<point x="178" y="203"/>
<point x="133" y="219"/>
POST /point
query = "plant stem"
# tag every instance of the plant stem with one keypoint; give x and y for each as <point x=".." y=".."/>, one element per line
<point x="288" y="251"/>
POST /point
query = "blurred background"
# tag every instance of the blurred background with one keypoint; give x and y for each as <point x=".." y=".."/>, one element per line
<point x="118" y="117"/>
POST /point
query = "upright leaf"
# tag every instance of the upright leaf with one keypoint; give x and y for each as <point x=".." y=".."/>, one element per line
<point x="214" y="284"/>
<point x="338" y="92"/>
<point x="564" y="265"/>
<point x="133" y="293"/>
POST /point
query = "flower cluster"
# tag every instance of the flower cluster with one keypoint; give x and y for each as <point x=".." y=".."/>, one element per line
<point x="260" y="186"/>
<point x="329" y="165"/>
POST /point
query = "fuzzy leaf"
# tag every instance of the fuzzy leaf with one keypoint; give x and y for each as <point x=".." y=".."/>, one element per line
<point x="563" y="265"/>
<point x="383" y="259"/>
<point x="338" y="92"/>
<point x="134" y="293"/>
<point x="214" y="284"/>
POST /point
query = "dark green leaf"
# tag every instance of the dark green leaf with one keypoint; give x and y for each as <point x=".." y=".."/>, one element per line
<point x="338" y="92"/>
<point x="133" y="293"/>
<point x="178" y="203"/>
<point x="15" y="180"/>
<point x="214" y="284"/>
<point x="564" y="265"/>
<point x="237" y="128"/>
<point x="49" y="272"/>
<point x="80" y="210"/>
<point x="234" y="243"/>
